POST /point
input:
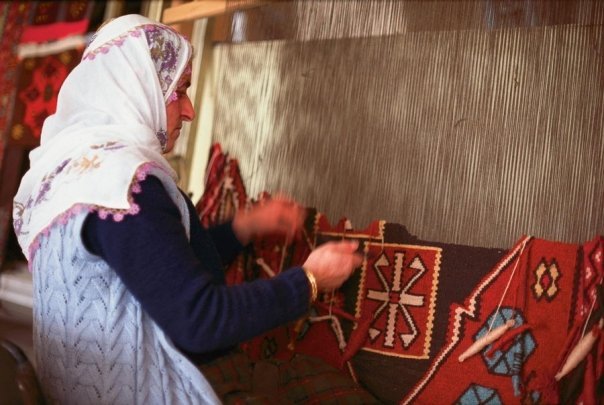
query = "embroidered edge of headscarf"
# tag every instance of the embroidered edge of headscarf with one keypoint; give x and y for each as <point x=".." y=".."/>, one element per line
<point x="162" y="48"/>
<point x="117" y="214"/>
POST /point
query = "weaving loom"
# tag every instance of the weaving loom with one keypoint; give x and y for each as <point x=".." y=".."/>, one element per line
<point x="427" y="322"/>
<point x="470" y="123"/>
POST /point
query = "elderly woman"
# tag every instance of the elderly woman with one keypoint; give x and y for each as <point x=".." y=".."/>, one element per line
<point x="128" y="287"/>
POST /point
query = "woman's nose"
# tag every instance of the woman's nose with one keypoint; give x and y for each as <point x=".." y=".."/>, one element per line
<point x="187" y="112"/>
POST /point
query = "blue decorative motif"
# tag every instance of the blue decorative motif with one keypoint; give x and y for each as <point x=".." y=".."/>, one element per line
<point x="479" y="395"/>
<point x="509" y="360"/>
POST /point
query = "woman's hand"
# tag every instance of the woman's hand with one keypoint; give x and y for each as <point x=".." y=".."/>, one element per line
<point x="333" y="262"/>
<point x="278" y="215"/>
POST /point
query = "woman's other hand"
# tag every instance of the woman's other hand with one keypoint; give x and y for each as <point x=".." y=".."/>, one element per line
<point x="333" y="262"/>
<point x="277" y="215"/>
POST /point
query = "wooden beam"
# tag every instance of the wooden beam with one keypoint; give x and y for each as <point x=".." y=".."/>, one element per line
<point x="204" y="97"/>
<point x="186" y="27"/>
<point x="206" y="8"/>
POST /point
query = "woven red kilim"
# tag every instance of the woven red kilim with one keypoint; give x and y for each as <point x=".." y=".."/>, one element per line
<point x="224" y="192"/>
<point x="541" y="276"/>
<point x="40" y="79"/>
<point x="341" y="304"/>
<point x="52" y="20"/>
<point x="209" y="204"/>
<point x="12" y="15"/>
<point x="319" y="337"/>
<point x="588" y="312"/>
<point x="332" y="332"/>
<point x="398" y="291"/>
<point x="268" y="257"/>
<point x="401" y="321"/>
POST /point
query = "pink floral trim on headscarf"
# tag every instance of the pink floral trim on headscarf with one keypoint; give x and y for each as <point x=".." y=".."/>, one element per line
<point x="90" y="55"/>
<point x="163" y="47"/>
<point x="165" y="44"/>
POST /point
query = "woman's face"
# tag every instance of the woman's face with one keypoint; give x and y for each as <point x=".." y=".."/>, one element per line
<point x="179" y="110"/>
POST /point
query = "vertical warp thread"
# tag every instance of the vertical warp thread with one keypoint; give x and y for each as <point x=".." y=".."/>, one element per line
<point x="471" y="136"/>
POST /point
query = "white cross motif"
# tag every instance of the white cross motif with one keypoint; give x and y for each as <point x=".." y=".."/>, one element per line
<point x="396" y="297"/>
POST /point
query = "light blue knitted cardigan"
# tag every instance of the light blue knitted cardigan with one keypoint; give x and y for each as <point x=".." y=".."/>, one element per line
<point x="93" y="342"/>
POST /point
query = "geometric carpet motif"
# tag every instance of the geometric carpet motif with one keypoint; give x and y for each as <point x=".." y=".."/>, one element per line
<point x="399" y="288"/>
<point x="479" y="395"/>
<point x="507" y="361"/>
<point x="528" y="353"/>
<point x="40" y="79"/>
<point x="546" y="277"/>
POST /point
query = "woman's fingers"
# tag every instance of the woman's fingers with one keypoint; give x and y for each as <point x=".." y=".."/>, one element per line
<point x="333" y="262"/>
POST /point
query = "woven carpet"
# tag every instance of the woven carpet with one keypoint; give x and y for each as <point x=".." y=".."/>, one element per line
<point x="53" y="20"/>
<point x="400" y="324"/>
<point x="40" y="78"/>
<point x="12" y="16"/>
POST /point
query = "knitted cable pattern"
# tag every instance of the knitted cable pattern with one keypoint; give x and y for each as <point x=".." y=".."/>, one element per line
<point x="93" y="342"/>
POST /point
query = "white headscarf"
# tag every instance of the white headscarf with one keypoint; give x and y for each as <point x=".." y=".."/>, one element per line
<point x="109" y="128"/>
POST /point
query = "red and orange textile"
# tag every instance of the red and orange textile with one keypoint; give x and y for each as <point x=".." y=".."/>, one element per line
<point x="40" y="78"/>
<point x="400" y="299"/>
<point x="400" y="324"/>
<point x="53" y="20"/>
<point x="532" y="286"/>
<point x="224" y="192"/>
<point x="12" y="17"/>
